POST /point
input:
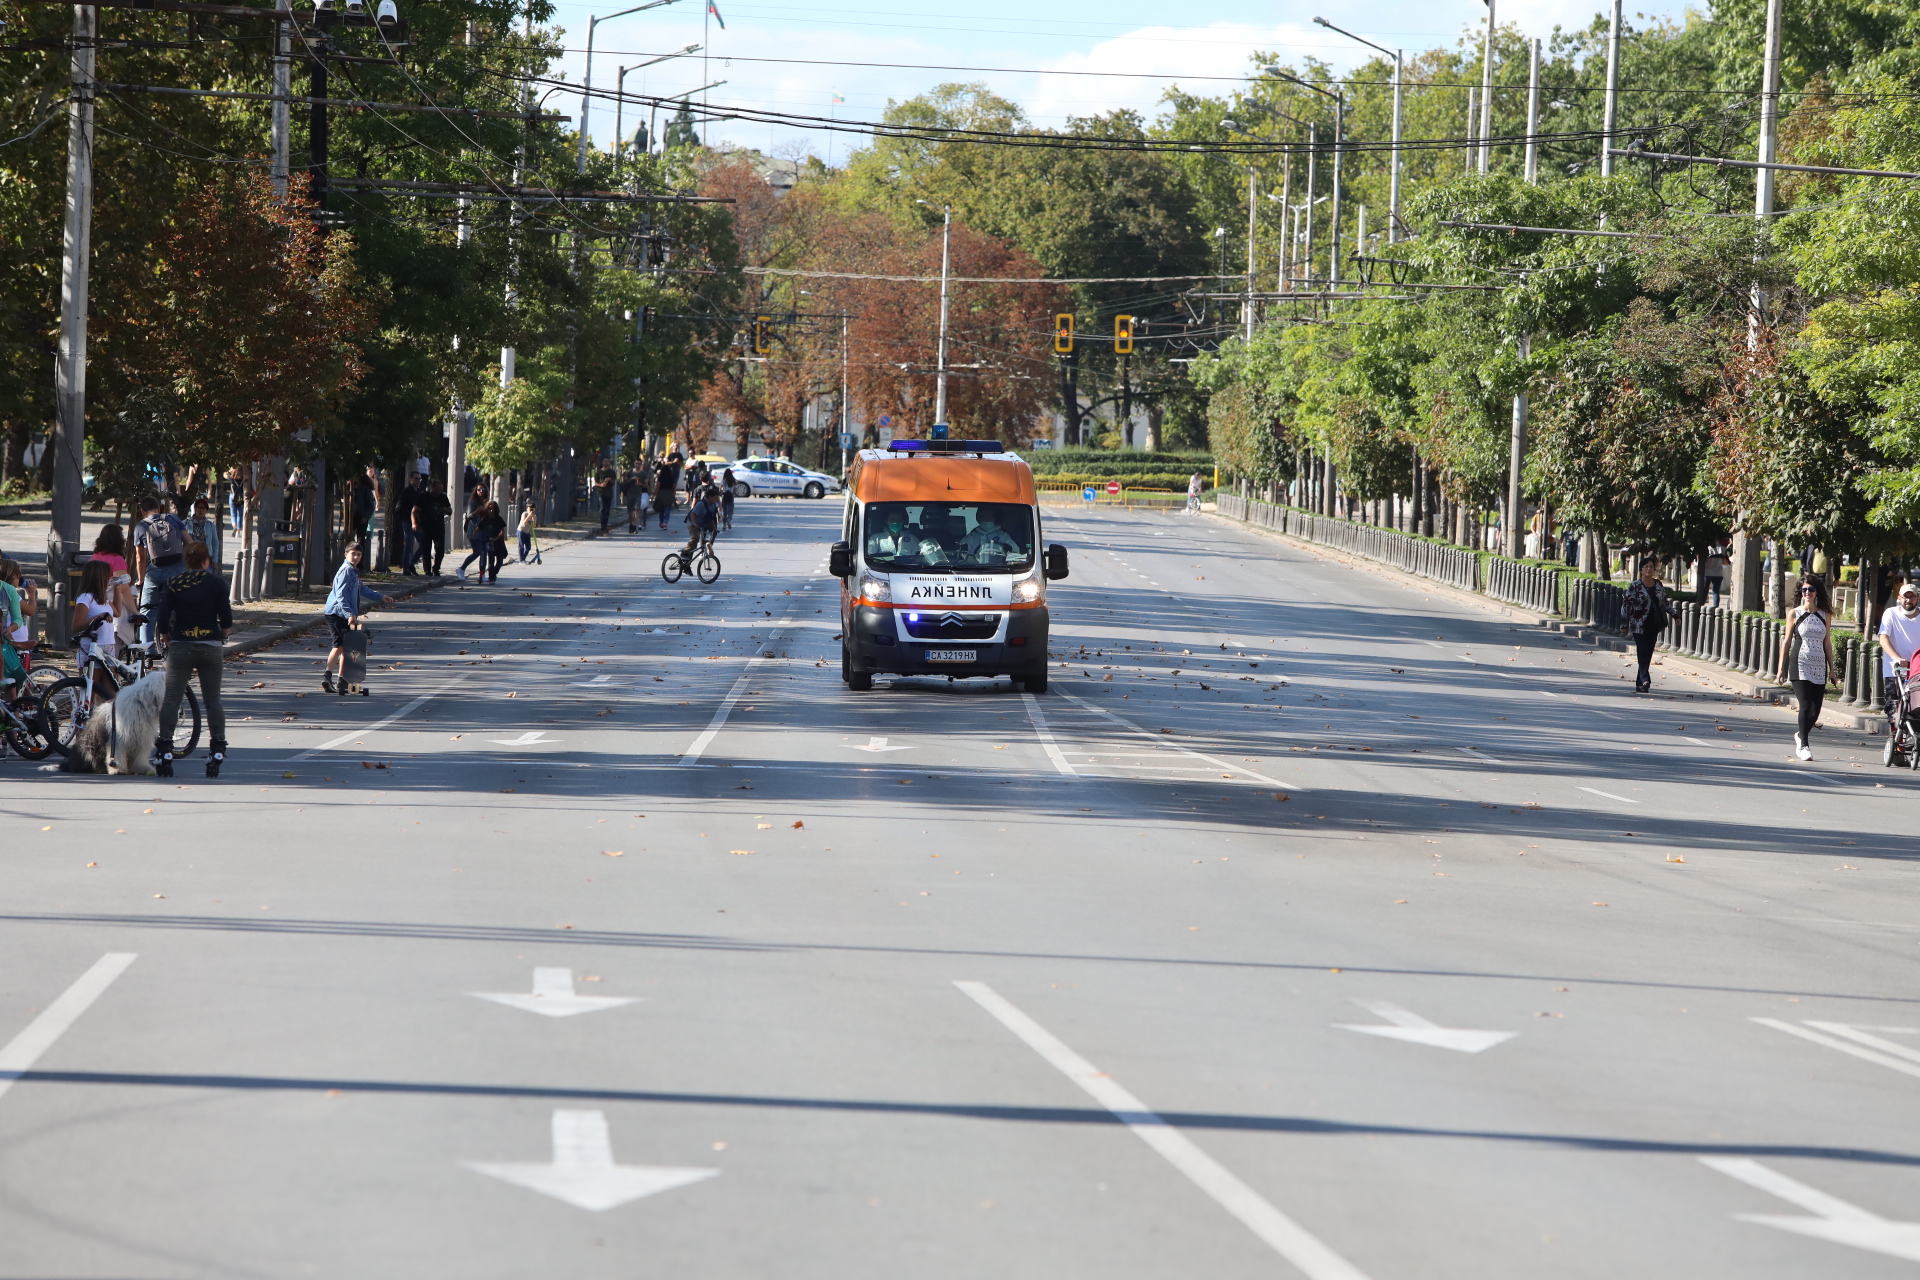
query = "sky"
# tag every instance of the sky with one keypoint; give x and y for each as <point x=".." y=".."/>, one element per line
<point x="1143" y="49"/>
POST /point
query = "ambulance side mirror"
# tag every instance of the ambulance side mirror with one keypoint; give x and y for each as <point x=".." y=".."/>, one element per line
<point x="840" y="561"/>
<point x="1056" y="562"/>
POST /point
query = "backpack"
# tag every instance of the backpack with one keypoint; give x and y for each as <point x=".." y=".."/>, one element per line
<point x="164" y="541"/>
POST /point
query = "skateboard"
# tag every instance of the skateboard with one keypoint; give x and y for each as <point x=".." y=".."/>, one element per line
<point x="353" y="662"/>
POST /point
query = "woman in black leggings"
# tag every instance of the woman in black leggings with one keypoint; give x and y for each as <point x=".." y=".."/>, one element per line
<point x="1806" y="658"/>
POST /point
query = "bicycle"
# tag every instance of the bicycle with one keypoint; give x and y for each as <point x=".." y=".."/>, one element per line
<point x="20" y="726"/>
<point x="702" y="564"/>
<point x="67" y="704"/>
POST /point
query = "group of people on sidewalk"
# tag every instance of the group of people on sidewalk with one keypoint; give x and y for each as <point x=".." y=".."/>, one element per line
<point x="653" y="489"/>
<point x="1806" y="662"/>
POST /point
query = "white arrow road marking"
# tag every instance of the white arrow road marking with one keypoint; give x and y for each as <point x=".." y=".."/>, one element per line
<point x="583" y="1172"/>
<point x="1609" y="795"/>
<point x="1280" y="1233"/>
<point x="1870" y="1047"/>
<point x="1836" y="1220"/>
<point x="1215" y="761"/>
<point x="880" y="744"/>
<point x="553" y="996"/>
<point x="21" y="1052"/>
<point x="1410" y="1026"/>
<point x="526" y="739"/>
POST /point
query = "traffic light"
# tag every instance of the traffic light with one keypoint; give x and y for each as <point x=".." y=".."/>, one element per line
<point x="762" y="335"/>
<point x="1063" y="333"/>
<point x="1123" y="335"/>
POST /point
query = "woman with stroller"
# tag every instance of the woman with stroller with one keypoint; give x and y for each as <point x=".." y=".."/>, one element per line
<point x="1806" y="658"/>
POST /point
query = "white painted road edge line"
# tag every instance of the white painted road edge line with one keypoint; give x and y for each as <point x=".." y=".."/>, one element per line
<point x="1609" y="795"/>
<point x="1285" y="1236"/>
<point x="402" y="713"/>
<point x="1045" y="735"/>
<point x="1157" y="740"/>
<point x="21" y="1052"/>
<point x="1834" y="1042"/>
<point x="691" y="756"/>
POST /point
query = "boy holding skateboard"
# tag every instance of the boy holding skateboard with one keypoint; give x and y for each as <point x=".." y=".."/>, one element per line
<point x="342" y="612"/>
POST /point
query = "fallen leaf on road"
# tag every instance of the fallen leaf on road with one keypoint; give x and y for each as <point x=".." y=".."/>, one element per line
<point x="1599" y="904"/>
<point x="1280" y="796"/>
<point x="1676" y="859"/>
<point x="159" y="895"/>
<point x="514" y="694"/>
<point x="764" y="826"/>
<point x="613" y="853"/>
<point x="799" y="825"/>
<point x="284" y="775"/>
<point x="93" y="864"/>
<point x="260" y="685"/>
<point x="742" y="852"/>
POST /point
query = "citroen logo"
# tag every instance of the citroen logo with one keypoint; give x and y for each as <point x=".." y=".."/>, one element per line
<point x="952" y="620"/>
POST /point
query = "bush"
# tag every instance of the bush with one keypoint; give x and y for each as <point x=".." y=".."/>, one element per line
<point x="1131" y="479"/>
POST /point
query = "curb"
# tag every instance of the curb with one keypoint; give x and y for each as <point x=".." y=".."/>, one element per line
<point x="252" y="644"/>
<point x="1701" y="673"/>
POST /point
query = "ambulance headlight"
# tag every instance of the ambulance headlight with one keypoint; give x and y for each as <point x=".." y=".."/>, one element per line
<point x="872" y="588"/>
<point x="1030" y="590"/>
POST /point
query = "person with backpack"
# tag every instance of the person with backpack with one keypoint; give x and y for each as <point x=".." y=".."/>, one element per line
<point x="159" y="552"/>
<point x="1647" y="616"/>
<point x="666" y="482"/>
<point x="1806" y="659"/>
<point x="191" y="610"/>
<point x="703" y="519"/>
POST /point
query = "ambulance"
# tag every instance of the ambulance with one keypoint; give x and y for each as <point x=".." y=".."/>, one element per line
<point x="941" y="565"/>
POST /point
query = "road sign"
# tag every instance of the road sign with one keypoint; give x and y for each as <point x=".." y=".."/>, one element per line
<point x="848" y="440"/>
<point x="1089" y="493"/>
<point x="1113" y="486"/>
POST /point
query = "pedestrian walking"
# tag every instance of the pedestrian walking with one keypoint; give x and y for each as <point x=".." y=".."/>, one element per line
<point x="1647" y="616"/>
<point x="204" y="526"/>
<point x="666" y="482"/>
<point x="484" y="529"/>
<point x="1193" y="494"/>
<point x="1806" y="658"/>
<point x="630" y="495"/>
<point x="159" y="544"/>
<point x="403" y="503"/>
<point x="430" y="515"/>
<point x="496" y="551"/>
<point x="191" y="611"/>
<point x="1899" y="638"/>
<point x="726" y="499"/>
<point x="604" y="485"/>
<point x="16" y="606"/>
<point x="1713" y="571"/>
<point x="343" y="609"/>
<point x="526" y="532"/>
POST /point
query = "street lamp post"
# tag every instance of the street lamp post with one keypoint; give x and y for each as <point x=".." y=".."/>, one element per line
<point x="1486" y="98"/>
<point x="946" y="271"/>
<point x="1393" y="177"/>
<point x="1339" y="127"/>
<point x="620" y="100"/>
<point x="586" y="88"/>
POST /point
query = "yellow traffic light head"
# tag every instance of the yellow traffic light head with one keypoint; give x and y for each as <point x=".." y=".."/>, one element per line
<point x="1063" y="333"/>
<point x="1123" y="335"/>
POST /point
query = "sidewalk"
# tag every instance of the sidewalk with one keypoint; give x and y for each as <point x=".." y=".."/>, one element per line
<point x="1710" y="675"/>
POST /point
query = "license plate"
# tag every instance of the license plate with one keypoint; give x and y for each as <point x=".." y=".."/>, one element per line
<point x="952" y="655"/>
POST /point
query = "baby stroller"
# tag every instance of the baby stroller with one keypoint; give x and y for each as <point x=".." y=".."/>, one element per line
<point x="1903" y="718"/>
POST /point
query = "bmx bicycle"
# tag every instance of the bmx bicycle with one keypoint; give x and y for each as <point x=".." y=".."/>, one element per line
<point x="700" y="562"/>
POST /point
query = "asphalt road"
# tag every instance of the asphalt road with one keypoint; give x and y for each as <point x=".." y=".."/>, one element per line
<point x="949" y="981"/>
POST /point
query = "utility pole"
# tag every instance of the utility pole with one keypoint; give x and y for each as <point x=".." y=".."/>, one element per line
<point x="1746" y="593"/>
<point x="1516" y="464"/>
<point x="1473" y="126"/>
<point x="946" y="272"/>
<point x="1253" y="227"/>
<point x="1486" y="98"/>
<point x="317" y="140"/>
<point x="1533" y="115"/>
<point x="1611" y="113"/>
<point x="282" y="99"/>
<point x="1339" y="129"/>
<point x="1313" y="163"/>
<point x="1286" y="237"/>
<point x="1399" y="79"/>
<point x="70" y="358"/>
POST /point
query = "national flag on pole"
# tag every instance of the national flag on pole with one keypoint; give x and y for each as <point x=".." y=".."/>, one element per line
<point x="838" y="98"/>
<point x="714" y="9"/>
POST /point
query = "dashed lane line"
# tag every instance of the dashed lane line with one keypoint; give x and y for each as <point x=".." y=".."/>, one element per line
<point x="401" y="714"/>
<point x="1865" y="1051"/>
<point x="691" y="756"/>
<point x="1171" y="746"/>
<point x="1609" y="795"/>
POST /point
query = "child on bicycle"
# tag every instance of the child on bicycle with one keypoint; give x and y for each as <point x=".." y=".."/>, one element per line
<point x="703" y="520"/>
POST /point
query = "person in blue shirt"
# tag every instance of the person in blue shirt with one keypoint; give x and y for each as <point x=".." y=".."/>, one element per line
<point x="343" y="609"/>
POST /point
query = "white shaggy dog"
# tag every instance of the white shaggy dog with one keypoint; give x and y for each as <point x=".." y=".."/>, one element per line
<point x="120" y="735"/>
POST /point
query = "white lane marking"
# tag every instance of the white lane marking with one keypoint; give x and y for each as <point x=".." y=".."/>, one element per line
<point x="597" y="680"/>
<point x="526" y="739"/>
<point x="1436" y="644"/>
<point x="1410" y="1026"/>
<point x="1282" y="1234"/>
<point x="1479" y="754"/>
<point x="583" y="1173"/>
<point x="1045" y="735"/>
<point x="692" y="754"/>
<point x="21" y="1052"/>
<point x="1609" y="795"/>
<point x="1833" y="1042"/>
<point x="401" y="714"/>
<point x="880" y="744"/>
<point x="1157" y="740"/>
<point x="1835" y="1220"/>
<point x="553" y="997"/>
<point x="1864" y="1035"/>
<point x="1696" y="742"/>
<point x="1549" y="694"/>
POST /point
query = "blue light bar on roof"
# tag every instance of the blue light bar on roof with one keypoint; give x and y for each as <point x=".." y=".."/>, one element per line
<point x="946" y="446"/>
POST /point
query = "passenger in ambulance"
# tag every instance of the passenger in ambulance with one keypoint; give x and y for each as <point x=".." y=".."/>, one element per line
<point x="988" y="543"/>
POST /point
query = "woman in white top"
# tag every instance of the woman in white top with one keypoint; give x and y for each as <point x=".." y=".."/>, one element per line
<point x="1806" y="658"/>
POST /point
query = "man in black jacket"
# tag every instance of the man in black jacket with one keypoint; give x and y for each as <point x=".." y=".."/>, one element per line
<point x="191" y="612"/>
<point x="430" y="513"/>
